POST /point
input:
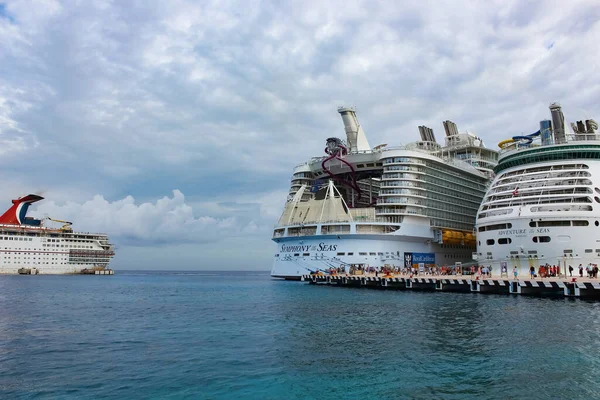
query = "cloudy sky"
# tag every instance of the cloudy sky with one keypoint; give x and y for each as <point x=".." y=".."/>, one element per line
<point x="174" y="125"/>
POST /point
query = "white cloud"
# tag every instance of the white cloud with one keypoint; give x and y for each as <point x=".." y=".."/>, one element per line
<point x="221" y="99"/>
<point x="167" y="220"/>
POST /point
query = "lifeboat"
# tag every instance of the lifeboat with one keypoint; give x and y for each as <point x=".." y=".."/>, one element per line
<point x="458" y="237"/>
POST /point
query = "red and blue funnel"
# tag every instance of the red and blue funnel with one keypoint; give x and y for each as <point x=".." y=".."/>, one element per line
<point x="16" y="214"/>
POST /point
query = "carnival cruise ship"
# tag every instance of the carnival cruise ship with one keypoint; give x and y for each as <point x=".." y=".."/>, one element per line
<point x="28" y="246"/>
<point x="543" y="206"/>
<point x="403" y="206"/>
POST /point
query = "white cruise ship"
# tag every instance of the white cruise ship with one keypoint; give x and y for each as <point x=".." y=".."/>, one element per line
<point x="406" y="206"/>
<point x="27" y="246"/>
<point x="543" y="206"/>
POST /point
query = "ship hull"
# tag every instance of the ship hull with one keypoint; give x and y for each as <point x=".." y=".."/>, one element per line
<point x="52" y="252"/>
<point x="304" y="255"/>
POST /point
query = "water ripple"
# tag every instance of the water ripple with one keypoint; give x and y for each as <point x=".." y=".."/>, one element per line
<point x="199" y="335"/>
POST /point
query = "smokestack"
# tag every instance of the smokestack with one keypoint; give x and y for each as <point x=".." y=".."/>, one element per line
<point x="431" y="135"/>
<point x="422" y="133"/>
<point x="558" y="122"/>
<point x="591" y="125"/>
<point x="426" y="134"/>
<point x="355" y="136"/>
<point x="450" y="128"/>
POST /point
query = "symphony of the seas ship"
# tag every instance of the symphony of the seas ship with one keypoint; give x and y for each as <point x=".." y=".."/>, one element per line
<point x="543" y="206"/>
<point x="412" y="205"/>
<point x="27" y="246"/>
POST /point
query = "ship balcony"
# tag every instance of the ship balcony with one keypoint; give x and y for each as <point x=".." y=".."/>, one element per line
<point x="399" y="211"/>
<point x="302" y="231"/>
<point x="399" y="200"/>
<point x="391" y="193"/>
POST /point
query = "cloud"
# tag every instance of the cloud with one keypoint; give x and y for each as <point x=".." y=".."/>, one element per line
<point x="168" y="220"/>
<point x="222" y="99"/>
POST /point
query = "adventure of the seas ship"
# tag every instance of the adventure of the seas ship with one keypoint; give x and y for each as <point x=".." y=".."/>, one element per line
<point x="543" y="207"/>
<point x="357" y="206"/>
<point x="28" y="246"/>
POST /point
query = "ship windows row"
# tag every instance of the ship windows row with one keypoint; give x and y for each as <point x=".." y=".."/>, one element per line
<point x="16" y="238"/>
<point x="495" y="227"/>
<point x="536" y="239"/>
<point x="545" y="224"/>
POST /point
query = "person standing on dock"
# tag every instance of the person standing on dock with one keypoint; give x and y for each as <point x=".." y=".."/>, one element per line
<point x="570" y="270"/>
<point x="515" y="272"/>
<point x="580" y="271"/>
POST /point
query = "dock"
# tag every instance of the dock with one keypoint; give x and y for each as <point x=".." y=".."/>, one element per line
<point x="97" y="271"/>
<point x="575" y="287"/>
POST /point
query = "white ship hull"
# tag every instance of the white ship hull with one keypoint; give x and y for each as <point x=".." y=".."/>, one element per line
<point x="386" y="206"/>
<point x="56" y="253"/>
<point x="303" y="255"/>
<point x="543" y="207"/>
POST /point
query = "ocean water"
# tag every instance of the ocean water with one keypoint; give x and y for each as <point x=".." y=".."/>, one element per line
<point x="142" y="335"/>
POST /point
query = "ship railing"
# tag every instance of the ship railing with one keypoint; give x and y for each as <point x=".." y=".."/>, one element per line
<point x="307" y="224"/>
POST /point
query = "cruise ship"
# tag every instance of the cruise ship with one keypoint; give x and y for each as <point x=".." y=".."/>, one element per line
<point x="411" y="206"/>
<point x="27" y="246"/>
<point x="543" y="207"/>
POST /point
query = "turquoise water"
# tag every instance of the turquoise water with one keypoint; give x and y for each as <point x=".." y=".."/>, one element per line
<point x="221" y="336"/>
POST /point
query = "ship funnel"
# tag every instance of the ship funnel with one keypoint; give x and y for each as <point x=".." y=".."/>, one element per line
<point x="450" y="128"/>
<point x="558" y="123"/>
<point x="591" y="125"/>
<point x="426" y="134"/>
<point x="355" y="136"/>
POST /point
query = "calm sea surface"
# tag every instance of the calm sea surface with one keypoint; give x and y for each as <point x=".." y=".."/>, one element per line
<point x="205" y="335"/>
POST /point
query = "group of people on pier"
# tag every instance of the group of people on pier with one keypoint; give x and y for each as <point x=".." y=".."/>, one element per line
<point x="591" y="270"/>
<point x="545" y="271"/>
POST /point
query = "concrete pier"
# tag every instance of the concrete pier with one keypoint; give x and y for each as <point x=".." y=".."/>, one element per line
<point x="552" y="287"/>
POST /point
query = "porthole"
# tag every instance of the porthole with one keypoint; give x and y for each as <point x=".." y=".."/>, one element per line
<point x="596" y="223"/>
<point x="597" y="190"/>
<point x="489" y="242"/>
<point x="597" y="199"/>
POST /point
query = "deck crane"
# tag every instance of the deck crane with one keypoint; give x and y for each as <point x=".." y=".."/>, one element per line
<point x="65" y="227"/>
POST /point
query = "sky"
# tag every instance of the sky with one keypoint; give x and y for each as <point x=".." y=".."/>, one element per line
<point x="174" y="126"/>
